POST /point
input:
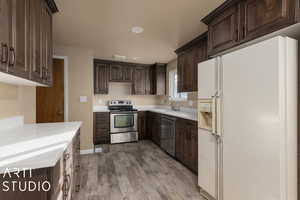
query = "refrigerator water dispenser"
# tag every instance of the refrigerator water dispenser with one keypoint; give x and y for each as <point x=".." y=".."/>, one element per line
<point x="205" y="114"/>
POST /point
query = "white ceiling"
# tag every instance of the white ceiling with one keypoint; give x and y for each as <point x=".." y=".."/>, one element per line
<point x="105" y="26"/>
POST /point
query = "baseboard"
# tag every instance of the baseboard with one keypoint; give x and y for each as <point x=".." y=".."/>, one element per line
<point x="90" y="151"/>
<point x="86" y="151"/>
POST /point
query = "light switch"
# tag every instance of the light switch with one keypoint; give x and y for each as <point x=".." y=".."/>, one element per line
<point x="191" y="103"/>
<point x="83" y="99"/>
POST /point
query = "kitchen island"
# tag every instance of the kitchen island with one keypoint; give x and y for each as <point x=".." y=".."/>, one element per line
<point x="40" y="152"/>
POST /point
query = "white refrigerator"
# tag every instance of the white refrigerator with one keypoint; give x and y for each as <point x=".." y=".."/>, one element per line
<point x="247" y="109"/>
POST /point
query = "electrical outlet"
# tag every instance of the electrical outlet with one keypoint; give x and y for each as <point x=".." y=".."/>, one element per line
<point x="83" y="99"/>
<point x="191" y="103"/>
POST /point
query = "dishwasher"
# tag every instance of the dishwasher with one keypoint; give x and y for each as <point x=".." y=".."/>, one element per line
<point x="167" y="135"/>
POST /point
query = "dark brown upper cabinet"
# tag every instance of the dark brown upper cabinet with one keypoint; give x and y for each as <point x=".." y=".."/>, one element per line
<point x="36" y="35"/>
<point x="18" y="63"/>
<point x="116" y="73"/>
<point x="223" y="31"/>
<point x="265" y="16"/>
<point x="101" y="78"/>
<point x="127" y="74"/>
<point x="239" y="21"/>
<point x="188" y="57"/>
<point x="4" y="33"/>
<point x="157" y="74"/>
<point x="120" y="73"/>
<point x="146" y="79"/>
<point x="26" y="39"/>
<point x="140" y="79"/>
<point x="46" y="40"/>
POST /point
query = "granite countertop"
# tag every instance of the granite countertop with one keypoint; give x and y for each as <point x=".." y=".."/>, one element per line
<point x="185" y="113"/>
<point x="35" y="145"/>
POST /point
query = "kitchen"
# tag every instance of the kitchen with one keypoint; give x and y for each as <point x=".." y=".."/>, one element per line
<point x="155" y="106"/>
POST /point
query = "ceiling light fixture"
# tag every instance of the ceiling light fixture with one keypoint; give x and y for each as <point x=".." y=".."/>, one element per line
<point x="119" y="57"/>
<point x="137" y="29"/>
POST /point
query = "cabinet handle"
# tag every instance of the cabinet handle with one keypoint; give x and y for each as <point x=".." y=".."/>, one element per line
<point x="77" y="188"/>
<point x="4" y="56"/>
<point x="244" y="31"/>
<point x="13" y="60"/>
<point x="46" y="74"/>
<point x="67" y="156"/>
<point x="43" y="73"/>
<point x="236" y="35"/>
<point x="66" y="187"/>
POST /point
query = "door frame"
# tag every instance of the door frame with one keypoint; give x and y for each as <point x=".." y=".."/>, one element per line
<point x="66" y="86"/>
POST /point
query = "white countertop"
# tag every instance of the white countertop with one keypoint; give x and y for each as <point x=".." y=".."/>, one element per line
<point x="35" y="145"/>
<point x="185" y="113"/>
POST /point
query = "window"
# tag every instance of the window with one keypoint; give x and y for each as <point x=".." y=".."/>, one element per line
<point x="174" y="95"/>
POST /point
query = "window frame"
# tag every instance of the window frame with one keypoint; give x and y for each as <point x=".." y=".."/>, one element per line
<point x="173" y="93"/>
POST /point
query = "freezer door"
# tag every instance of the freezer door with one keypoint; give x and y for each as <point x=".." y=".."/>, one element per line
<point x="208" y="78"/>
<point x="207" y="162"/>
<point x="260" y="122"/>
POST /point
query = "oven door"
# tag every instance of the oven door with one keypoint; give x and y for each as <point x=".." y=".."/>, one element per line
<point x="123" y="122"/>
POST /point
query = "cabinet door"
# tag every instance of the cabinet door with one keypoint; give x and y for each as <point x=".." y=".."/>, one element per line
<point x="149" y="125"/>
<point x="139" y="82"/>
<point x="142" y="125"/>
<point x="180" y="73"/>
<point x="101" y="128"/>
<point x="19" y="48"/>
<point x="183" y="73"/>
<point x="5" y="24"/>
<point x="160" y="79"/>
<point x="223" y="31"/>
<point x="265" y="16"/>
<point x="194" y="146"/>
<point x="187" y="150"/>
<point x="48" y="45"/>
<point x="35" y="34"/>
<point x="116" y="73"/>
<point x="101" y="77"/>
<point x="148" y="80"/>
<point x="179" y="140"/>
<point x="127" y="74"/>
<point x="156" y="129"/>
<point x="189" y="81"/>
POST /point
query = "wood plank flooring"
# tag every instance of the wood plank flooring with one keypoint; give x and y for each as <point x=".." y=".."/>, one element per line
<point x="135" y="171"/>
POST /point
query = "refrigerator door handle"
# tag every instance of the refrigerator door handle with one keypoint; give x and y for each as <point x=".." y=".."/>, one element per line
<point x="218" y="116"/>
<point x="213" y="120"/>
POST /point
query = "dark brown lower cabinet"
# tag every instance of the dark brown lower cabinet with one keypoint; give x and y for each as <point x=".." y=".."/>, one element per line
<point x="59" y="182"/>
<point x="186" y="138"/>
<point x="101" y="128"/>
<point x="187" y="143"/>
<point x="142" y="119"/>
<point x="154" y="127"/>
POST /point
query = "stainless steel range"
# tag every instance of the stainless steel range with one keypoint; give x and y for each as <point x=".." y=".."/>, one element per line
<point x="123" y="121"/>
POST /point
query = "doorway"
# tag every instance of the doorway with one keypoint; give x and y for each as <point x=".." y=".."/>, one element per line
<point x="50" y="101"/>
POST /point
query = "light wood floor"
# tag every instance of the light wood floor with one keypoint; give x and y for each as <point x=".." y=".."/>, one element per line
<point x="135" y="171"/>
